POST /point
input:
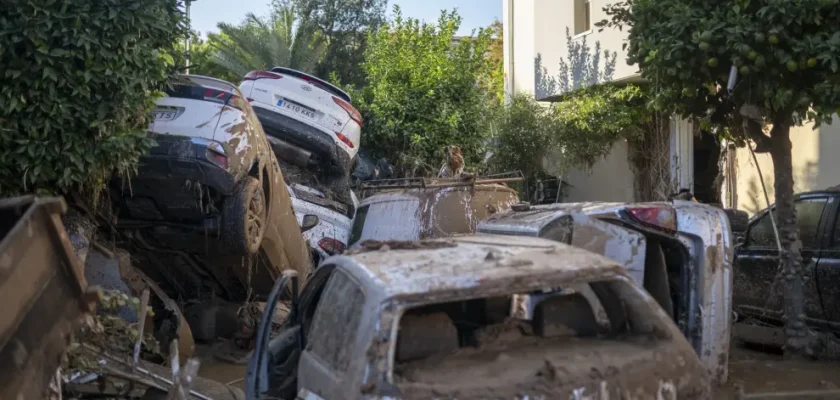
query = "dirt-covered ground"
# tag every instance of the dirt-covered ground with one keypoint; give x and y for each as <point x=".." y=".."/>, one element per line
<point x="757" y="371"/>
<point x="767" y="371"/>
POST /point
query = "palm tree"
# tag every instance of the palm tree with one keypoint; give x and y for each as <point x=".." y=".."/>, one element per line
<point x="257" y="43"/>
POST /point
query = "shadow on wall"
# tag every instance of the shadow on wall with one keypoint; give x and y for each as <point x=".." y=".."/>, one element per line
<point x="829" y="146"/>
<point x="805" y="178"/>
<point x="582" y="69"/>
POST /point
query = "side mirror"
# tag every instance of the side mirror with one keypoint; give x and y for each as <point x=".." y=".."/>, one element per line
<point x="309" y="221"/>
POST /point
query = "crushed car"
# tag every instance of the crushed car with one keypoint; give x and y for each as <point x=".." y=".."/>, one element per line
<point x="329" y="233"/>
<point x="208" y="215"/>
<point x="681" y="252"/>
<point x="429" y="207"/>
<point x="473" y="317"/>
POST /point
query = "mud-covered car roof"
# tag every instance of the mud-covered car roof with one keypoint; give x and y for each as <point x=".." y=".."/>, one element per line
<point x="460" y="263"/>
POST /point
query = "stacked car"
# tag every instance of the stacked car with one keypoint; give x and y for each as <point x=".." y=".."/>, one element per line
<point x="311" y="125"/>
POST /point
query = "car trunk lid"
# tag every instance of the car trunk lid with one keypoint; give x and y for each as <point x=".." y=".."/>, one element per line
<point x="192" y="107"/>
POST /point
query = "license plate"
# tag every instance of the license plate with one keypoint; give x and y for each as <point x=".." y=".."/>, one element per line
<point x="165" y="116"/>
<point x="296" y="108"/>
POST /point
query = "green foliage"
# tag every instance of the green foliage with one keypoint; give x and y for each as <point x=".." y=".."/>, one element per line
<point x="79" y="80"/>
<point x="202" y="55"/>
<point x="787" y="54"/>
<point x="592" y="119"/>
<point x="493" y="81"/>
<point x="422" y="92"/>
<point x="263" y="43"/>
<point x="524" y="131"/>
<point x="345" y="25"/>
<point x="582" y="127"/>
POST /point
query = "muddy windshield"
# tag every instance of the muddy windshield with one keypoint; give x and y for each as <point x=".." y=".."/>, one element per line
<point x="391" y="219"/>
<point x="501" y="343"/>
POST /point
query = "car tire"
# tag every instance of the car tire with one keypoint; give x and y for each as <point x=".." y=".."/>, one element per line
<point x="738" y="220"/>
<point x="244" y="217"/>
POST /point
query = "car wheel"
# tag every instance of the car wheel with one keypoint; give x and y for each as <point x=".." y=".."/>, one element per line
<point x="244" y="217"/>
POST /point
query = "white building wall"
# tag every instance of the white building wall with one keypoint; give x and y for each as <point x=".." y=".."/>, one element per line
<point x="536" y="30"/>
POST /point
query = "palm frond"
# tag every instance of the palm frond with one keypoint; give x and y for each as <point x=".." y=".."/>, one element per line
<point x="258" y="43"/>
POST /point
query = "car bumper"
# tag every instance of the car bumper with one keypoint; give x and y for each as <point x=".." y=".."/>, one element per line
<point x="171" y="182"/>
<point x="304" y="136"/>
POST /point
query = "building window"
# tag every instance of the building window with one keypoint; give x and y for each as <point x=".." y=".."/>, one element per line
<point x="583" y="16"/>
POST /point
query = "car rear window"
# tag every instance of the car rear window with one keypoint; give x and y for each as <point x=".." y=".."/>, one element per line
<point x="201" y="88"/>
<point x="324" y="85"/>
<point x="604" y="310"/>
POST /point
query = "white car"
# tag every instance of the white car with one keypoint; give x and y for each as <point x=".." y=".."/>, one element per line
<point x="332" y="232"/>
<point x="210" y="167"/>
<point x="309" y="121"/>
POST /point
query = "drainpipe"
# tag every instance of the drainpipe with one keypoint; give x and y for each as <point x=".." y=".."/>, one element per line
<point x="509" y="33"/>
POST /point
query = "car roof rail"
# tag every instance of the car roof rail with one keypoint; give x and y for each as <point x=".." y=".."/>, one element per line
<point x="428" y="183"/>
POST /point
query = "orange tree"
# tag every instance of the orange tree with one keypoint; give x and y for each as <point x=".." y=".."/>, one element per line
<point x="787" y="54"/>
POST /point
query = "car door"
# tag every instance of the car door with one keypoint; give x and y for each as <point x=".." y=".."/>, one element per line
<point x="284" y="349"/>
<point x="757" y="292"/>
<point x="827" y="278"/>
<point x="325" y="364"/>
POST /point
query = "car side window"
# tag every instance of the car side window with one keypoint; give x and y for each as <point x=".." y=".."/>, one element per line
<point x="336" y="321"/>
<point x="358" y="224"/>
<point x="808" y="215"/>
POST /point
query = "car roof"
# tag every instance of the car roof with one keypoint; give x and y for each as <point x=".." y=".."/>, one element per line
<point x="462" y="263"/>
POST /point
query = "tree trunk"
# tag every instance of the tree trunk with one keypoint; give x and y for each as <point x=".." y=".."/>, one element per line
<point x="790" y="258"/>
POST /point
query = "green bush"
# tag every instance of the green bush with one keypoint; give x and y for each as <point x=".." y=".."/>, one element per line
<point x="523" y="132"/>
<point x="584" y="125"/>
<point x="423" y="93"/>
<point x="592" y="119"/>
<point x="79" y="80"/>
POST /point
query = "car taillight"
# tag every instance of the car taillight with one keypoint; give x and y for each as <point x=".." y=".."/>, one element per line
<point x="331" y="246"/>
<point x="217" y="158"/>
<point x="660" y="217"/>
<point x="254" y="75"/>
<point x="345" y="139"/>
<point x="355" y="115"/>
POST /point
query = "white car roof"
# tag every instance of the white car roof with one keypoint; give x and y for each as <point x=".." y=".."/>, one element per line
<point x="465" y="262"/>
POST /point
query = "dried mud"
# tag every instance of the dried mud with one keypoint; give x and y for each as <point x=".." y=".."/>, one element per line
<point x="531" y="367"/>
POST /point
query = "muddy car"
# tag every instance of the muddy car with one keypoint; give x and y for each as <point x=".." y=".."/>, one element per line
<point x="681" y="252"/>
<point x="474" y="318"/>
<point x="208" y="213"/>
<point x="758" y="294"/>
<point x="329" y="235"/>
<point x="429" y="208"/>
